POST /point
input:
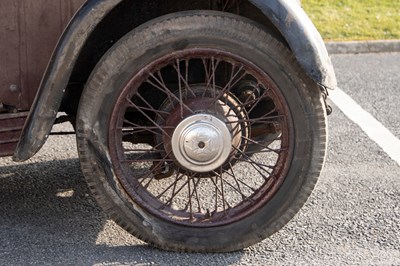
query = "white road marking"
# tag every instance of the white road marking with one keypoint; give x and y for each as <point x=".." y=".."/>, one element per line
<point x="372" y="127"/>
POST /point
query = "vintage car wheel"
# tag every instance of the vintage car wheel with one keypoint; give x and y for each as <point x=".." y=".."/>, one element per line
<point x="198" y="131"/>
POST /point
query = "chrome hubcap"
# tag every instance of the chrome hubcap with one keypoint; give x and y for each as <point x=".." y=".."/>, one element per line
<point x="201" y="143"/>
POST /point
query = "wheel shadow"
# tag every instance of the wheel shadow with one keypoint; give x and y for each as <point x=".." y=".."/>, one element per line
<point x="49" y="218"/>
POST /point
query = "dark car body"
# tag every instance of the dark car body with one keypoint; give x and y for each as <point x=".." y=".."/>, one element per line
<point x="32" y="30"/>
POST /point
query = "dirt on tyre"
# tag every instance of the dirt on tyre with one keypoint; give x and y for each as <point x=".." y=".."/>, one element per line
<point x="199" y="132"/>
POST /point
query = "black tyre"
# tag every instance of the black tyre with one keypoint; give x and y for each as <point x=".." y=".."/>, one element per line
<point x="199" y="132"/>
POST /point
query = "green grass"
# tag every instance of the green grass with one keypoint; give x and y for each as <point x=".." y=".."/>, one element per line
<point x="345" y="20"/>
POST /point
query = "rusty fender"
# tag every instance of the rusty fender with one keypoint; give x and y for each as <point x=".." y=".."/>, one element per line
<point x="287" y="15"/>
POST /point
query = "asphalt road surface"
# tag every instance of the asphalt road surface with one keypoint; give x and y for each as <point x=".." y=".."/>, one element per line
<point x="47" y="216"/>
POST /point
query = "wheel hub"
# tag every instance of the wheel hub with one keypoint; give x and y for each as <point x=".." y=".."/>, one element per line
<point x="201" y="143"/>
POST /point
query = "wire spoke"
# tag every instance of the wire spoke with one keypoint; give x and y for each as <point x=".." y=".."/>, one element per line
<point x="220" y="190"/>
<point x="197" y="194"/>
<point x="181" y="78"/>
<point x="277" y="151"/>
<point x="148" y="117"/>
<point x="240" y="181"/>
<point x="254" y="164"/>
<point x="142" y="158"/>
<point x="163" y="88"/>
<point x="237" y="189"/>
<point x="149" y="107"/>
<point x="264" y="95"/>
<point x="233" y="80"/>
<point x="265" y="118"/>
<point x="261" y="164"/>
<point x="188" y="87"/>
<point x="189" y="199"/>
<point x="152" y="170"/>
<point x="193" y="192"/>
<point x="178" y="177"/>
<point x="237" y="182"/>
<point x="145" y="128"/>
<point x="175" y="193"/>
<point x="210" y="68"/>
<point x="138" y="129"/>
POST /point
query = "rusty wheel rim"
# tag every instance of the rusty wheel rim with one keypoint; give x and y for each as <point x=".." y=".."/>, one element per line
<point x="176" y="97"/>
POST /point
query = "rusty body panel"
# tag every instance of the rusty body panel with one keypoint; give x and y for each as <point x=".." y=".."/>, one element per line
<point x="29" y="33"/>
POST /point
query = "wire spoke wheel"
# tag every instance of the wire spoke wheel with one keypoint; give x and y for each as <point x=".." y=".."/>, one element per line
<point x="198" y="131"/>
<point x="200" y="137"/>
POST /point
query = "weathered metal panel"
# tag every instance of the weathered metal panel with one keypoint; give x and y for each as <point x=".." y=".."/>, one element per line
<point x="10" y="56"/>
<point x="43" y="112"/>
<point x="29" y="32"/>
<point x="28" y="35"/>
